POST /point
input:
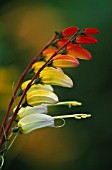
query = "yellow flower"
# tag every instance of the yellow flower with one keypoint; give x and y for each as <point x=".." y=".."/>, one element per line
<point x="35" y="121"/>
<point x="36" y="97"/>
<point x="36" y="86"/>
<point x="53" y="76"/>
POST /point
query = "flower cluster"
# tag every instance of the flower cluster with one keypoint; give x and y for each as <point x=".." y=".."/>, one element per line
<point x="63" y="52"/>
<point x="36" y="94"/>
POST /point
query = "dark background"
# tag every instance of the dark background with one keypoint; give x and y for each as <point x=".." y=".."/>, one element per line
<point x="25" y="27"/>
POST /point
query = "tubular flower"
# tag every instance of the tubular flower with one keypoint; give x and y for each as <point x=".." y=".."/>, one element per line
<point x="59" y="60"/>
<point x="47" y="53"/>
<point x="31" y="118"/>
<point x="72" y="50"/>
<point x="25" y="111"/>
<point x="35" y="121"/>
<point x="54" y="76"/>
<point x="36" y="97"/>
<point x="86" y="39"/>
<point x="37" y="65"/>
<point x="79" y="52"/>
<point x="64" y="61"/>
<point x="36" y="86"/>
<point x="75" y="50"/>
<point x="90" y="31"/>
<point x="69" y="31"/>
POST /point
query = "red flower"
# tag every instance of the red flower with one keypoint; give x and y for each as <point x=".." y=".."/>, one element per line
<point x="90" y="31"/>
<point x="70" y="31"/>
<point x="86" y="39"/>
<point x="61" y="42"/>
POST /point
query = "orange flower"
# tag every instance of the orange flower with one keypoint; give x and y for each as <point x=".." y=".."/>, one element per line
<point x="72" y="51"/>
<point x="78" y="52"/>
<point x="64" y="61"/>
<point x="47" y="53"/>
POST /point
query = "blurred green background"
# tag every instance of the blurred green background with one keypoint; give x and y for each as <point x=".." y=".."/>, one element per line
<point x="25" y="27"/>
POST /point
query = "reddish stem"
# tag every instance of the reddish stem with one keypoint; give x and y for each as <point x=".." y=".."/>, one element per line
<point x="27" y="88"/>
<point x="18" y="85"/>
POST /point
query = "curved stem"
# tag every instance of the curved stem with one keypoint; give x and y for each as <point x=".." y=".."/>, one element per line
<point x="19" y="83"/>
<point x="28" y="86"/>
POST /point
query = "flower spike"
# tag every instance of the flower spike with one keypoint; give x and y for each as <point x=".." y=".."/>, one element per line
<point x="34" y="91"/>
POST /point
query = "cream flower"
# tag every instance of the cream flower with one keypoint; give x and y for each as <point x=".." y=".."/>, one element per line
<point x="24" y="111"/>
<point x="35" y="121"/>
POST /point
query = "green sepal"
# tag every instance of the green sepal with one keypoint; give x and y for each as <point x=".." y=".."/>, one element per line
<point x="54" y="44"/>
<point x="20" y="92"/>
<point x="73" y="41"/>
<point x="15" y="129"/>
<point x="49" y="64"/>
<point x="41" y="58"/>
<point x="37" y="80"/>
<point x="58" y="34"/>
<point x="31" y="70"/>
<point x="64" y="51"/>
<point x="24" y="104"/>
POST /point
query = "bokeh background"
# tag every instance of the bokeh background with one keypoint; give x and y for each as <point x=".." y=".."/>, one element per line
<point x="25" y="27"/>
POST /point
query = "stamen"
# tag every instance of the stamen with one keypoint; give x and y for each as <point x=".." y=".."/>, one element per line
<point x="76" y="116"/>
<point x="63" y="124"/>
<point x="68" y="103"/>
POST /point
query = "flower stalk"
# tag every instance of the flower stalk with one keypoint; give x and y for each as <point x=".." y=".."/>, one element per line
<point x="19" y="83"/>
<point x="37" y="94"/>
<point x="28" y="86"/>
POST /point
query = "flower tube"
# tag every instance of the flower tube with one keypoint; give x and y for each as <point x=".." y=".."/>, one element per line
<point x="37" y="86"/>
<point x="36" y="97"/>
<point x="35" y="121"/>
<point x="52" y="76"/>
<point x="24" y="111"/>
